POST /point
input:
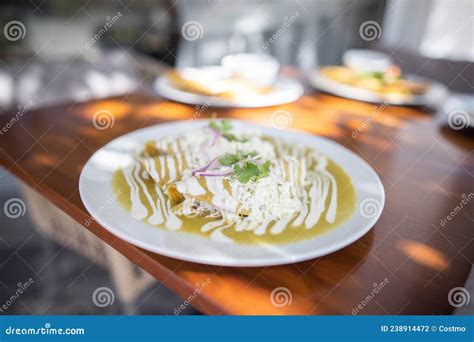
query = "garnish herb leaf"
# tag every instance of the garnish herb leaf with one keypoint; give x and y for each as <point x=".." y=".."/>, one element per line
<point x="221" y="126"/>
<point x="244" y="170"/>
<point x="224" y="127"/>
<point x="228" y="159"/>
<point x="249" y="171"/>
<point x="232" y="158"/>
<point x="264" y="169"/>
<point x="232" y="137"/>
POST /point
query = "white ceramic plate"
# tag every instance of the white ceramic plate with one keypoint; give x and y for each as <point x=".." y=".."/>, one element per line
<point x="95" y="186"/>
<point x="433" y="97"/>
<point x="286" y="90"/>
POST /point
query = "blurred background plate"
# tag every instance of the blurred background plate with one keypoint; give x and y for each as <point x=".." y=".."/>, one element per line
<point x="436" y="93"/>
<point x="286" y="90"/>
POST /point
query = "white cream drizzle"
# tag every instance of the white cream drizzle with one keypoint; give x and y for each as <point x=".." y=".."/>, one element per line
<point x="316" y="204"/>
<point x="221" y="198"/>
<point x="331" y="212"/>
<point x="172" y="221"/>
<point x="280" y="225"/>
<point x="261" y="229"/>
<point x="150" y="167"/>
<point x="191" y="186"/>
<point x="138" y="210"/>
<point x="160" y="209"/>
<point x="156" y="216"/>
<point x="313" y="192"/>
<point x="217" y="228"/>
<point x="298" y="221"/>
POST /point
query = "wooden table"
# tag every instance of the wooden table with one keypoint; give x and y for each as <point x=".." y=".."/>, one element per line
<point x="425" y="168"/>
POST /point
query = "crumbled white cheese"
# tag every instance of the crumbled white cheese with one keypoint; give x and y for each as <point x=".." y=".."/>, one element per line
<point x="255" y="144"/>
<point x="269" y="198"/>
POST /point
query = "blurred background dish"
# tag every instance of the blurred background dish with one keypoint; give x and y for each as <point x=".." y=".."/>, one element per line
<point x="218" y="86"/>
<point x="434" y="95"/>
<point x="243" y="80"/>
<point x="371" y="76"/>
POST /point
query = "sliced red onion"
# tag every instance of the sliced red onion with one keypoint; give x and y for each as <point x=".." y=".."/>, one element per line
<point x="215" y="164"/>
<point x="213" y="141"/>
<point x="203" y="168"/>
<point x="215" y="131"/>
<point x="214" y="173"/>
<point x="216" y="134"/>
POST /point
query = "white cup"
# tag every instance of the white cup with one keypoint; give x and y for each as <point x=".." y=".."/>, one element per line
<point x="366" y="60"/>
<point x="259" y="69"/>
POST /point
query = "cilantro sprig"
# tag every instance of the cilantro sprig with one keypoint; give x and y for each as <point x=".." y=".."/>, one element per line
<point x="245" y="169"/>
<point x="233" y="158"/>
<point x="373" y="74"/>
<point x="221" y="125"/>
<point x="224" y="127"/>
<point x="251" y="171"/>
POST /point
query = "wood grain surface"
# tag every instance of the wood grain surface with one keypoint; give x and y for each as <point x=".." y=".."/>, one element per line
<point x="427" y="170"/>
